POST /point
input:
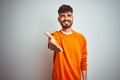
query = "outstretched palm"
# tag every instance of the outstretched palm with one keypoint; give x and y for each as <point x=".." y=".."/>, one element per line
<point x="52" y="43"/>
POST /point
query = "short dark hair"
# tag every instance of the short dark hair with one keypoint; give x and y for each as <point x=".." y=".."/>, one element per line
<point x="65" y="8"/>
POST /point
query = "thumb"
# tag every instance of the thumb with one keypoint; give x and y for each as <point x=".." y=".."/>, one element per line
<point x="48" y="34"/>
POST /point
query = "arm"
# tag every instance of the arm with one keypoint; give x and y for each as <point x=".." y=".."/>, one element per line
<point x="84" y="61"/>
<point x="52" y="43"/>
<point x="84" y="75"/>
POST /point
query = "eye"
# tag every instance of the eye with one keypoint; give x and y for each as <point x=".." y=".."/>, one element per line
<point x="69" y="15"/>
<point x="62" y="15"/>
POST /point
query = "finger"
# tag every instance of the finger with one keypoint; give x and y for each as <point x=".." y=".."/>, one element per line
<point x="59" y="49"/>
<point x="48" y="34"/>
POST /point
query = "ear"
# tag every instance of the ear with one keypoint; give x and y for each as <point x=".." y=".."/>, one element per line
<point x="73" y="17"/>
<point x="58" y="18"/>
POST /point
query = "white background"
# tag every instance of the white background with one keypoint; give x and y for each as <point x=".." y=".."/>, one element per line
<point x="23" y="46"/>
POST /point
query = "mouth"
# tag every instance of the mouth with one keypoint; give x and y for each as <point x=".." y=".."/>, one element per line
<point x="66" y="21"/>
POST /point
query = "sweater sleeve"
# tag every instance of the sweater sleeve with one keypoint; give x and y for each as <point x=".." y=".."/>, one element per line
<point x="84" y="55"/>
<point x="57" y="37"/>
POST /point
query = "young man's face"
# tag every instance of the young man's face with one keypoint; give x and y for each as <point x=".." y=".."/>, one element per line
<point x="65" y="19"/>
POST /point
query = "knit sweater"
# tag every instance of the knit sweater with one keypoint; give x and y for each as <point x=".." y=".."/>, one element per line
<point x="69" y="63"/>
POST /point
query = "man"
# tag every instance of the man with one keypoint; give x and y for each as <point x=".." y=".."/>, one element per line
<point x="70" y="49"/>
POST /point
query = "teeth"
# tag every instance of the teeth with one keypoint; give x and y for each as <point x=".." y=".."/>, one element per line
<point x="66" y="22"/>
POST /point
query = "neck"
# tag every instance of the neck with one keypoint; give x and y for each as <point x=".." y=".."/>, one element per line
<point x="67" y="29"/>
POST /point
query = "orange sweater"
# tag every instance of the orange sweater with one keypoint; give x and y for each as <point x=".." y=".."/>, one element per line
<point x="69" y="63"/>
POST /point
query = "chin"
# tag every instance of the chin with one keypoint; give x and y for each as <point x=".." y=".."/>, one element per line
<point x="66" y="27"/>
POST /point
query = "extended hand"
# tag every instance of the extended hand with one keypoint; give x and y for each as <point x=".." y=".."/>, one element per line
<point x="52" y="43"/>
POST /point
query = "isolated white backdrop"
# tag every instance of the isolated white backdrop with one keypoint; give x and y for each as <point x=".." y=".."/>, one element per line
<point x="23" y="46"/>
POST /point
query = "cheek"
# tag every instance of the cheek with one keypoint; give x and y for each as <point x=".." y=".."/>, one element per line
<point x="71" y="18"/>
<point x="61" y="19"/>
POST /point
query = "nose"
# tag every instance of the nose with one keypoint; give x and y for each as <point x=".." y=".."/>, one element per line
<point x="66" y="18"/>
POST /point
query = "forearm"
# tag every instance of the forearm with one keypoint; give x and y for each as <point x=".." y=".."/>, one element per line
<point x="84" y="75"/>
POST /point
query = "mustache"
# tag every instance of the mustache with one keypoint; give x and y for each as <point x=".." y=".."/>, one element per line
<point x="66" y="20"/>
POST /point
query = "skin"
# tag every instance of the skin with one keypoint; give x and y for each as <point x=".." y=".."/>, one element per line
<point x="66" y="20"/>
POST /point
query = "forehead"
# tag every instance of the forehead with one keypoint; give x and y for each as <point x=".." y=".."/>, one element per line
<point x="66" y="13"/>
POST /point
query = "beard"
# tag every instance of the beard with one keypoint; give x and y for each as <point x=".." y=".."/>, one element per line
<point x="66" y="25"/>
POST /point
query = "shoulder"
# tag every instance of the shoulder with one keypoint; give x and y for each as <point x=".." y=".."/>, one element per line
<point x="55" y="33"/>
<point x="80" y="35"/>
